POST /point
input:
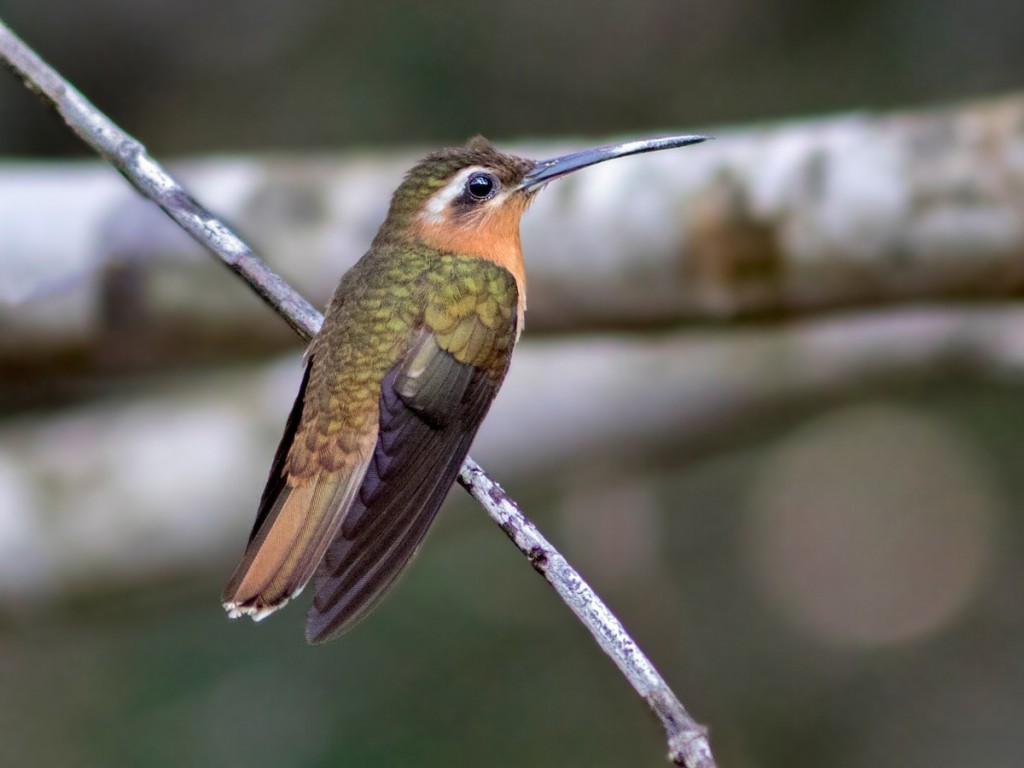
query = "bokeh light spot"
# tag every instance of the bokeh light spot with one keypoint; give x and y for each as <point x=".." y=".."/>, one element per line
<point x="871" y="526"/>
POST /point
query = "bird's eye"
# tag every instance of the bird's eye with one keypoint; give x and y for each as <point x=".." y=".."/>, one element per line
<point x="481" y="186"/>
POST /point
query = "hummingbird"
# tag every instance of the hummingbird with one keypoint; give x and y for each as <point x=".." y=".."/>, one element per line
<point x="415" y="344"/>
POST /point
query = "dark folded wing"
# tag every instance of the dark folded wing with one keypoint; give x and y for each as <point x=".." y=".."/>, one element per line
<point x="430" y="408"/>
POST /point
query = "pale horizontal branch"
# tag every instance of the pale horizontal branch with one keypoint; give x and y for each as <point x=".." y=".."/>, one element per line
<point x="165" y="482"/>
<point x="789" y="218"/>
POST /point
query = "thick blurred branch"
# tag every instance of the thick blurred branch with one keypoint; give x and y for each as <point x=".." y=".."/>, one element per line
<point x="791" y="218"/>
<point x="687" y="740"/>
<point x="82" y="500"/>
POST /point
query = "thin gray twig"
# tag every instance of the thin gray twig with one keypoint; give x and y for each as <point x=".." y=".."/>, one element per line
<point x="687" y="740"/>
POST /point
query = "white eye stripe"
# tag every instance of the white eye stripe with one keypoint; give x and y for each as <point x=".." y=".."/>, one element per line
<point x="433" y="211"/>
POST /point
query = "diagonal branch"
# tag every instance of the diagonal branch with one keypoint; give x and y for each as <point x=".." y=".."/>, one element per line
<point x="687" y="740"/>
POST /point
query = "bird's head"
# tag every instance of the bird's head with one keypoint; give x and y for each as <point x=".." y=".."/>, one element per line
<point x="469" y="200"/>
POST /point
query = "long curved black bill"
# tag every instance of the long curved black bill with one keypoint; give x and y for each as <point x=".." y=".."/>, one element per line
<point x="545" y="170"/>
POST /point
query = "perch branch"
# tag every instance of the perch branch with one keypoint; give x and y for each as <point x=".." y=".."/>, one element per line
<point x="687" y="740"/>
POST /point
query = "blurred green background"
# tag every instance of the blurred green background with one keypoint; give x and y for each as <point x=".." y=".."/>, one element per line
<point x="842" y="589"/>
<point x="233" y="75"/>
